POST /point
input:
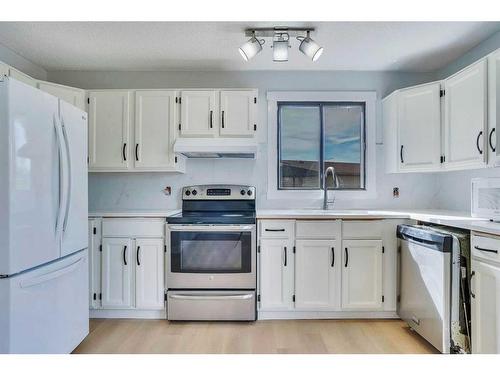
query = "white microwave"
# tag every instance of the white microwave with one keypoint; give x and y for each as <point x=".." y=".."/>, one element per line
<point x="485" y="198"/>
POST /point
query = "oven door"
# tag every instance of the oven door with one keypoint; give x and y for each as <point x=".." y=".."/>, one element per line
<point x="211" y="257"/>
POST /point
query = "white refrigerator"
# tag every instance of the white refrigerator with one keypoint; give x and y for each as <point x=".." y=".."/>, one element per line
<point x="43" y="222"/>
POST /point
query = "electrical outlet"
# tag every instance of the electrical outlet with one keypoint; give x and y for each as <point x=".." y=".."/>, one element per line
<point x="395" y="192"/>
<point x="167" y="190"/>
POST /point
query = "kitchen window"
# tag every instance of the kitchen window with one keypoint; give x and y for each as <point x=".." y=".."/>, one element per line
<point x="314" y="136"/>
<point x="308" y="131"/>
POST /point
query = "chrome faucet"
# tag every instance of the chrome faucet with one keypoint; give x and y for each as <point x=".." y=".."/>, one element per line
<point x="325" y="190"/>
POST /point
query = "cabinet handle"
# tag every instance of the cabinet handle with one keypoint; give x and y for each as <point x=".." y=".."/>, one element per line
<point x="285" y="257"/>
<point x="346" y="257"/>
<point x="477" y="142"/>
<point x="401" y="154"/>
<point x="486" y="250"/>
<point x="136" y="153"/>
<point x="333" y="256"/>
<point x="223" y="119"/>
<point x="138" y="252"/>
<point x="125" y="255"/>
<point x="491" y="140"/>
<point x="274" y="230"/>
<point x="472" y="274"/>
<point x="211" y="122"/>
<point x="124" y="149"/>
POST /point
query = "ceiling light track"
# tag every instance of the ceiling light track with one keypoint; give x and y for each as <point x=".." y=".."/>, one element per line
<point x="281" y="42"/>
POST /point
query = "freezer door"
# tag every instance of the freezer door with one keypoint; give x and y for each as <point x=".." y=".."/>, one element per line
<point x="75" y="215"/>
<point x="29" y="197"/>
<point x="47" y="308"/>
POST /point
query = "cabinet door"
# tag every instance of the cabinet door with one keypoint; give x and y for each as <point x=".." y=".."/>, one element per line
<point x="199" y="113"/>
<point x="149" y="279"/>
<point x="276" y="274"/>
<point x="362" y="275"/>
<point x="493" y="108"/>
<point x="317" y="277"/>
<point x="237" y="111"/>
<point x="116" y="272"/>
<point x="155" y="113"/>
<point x="20" y="76"/>
<point x="485" y="308"/>
<point x="390" y="123"/>
<point x="419" y="119"/>
<point x="109" y="123"/>
<point x="465" y="118"/>
<point x="70" y="95"/>
<point x="95" y="263"/>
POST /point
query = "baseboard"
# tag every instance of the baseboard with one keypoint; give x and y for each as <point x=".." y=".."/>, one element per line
<point x="128" y="314"/>
<point x="268" y="315"/>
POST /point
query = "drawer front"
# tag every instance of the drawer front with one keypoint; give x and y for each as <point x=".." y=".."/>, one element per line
<point x="362" y="229"/>
<point x="484" y="247"/>
<point x="210" y="305"/>
<point x="318" y="229"/>
<point x="276" y="228"/>
<point x="133" y="228"/>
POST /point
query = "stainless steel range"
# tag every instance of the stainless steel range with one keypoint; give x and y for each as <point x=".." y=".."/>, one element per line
<point x="211" y="249"/>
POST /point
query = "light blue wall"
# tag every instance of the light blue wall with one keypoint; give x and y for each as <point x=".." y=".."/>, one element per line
<point x="144" y="190"/>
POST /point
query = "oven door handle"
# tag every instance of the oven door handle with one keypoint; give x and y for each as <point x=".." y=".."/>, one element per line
<point x="200" y="297"/>
<point x="210" y="228"/>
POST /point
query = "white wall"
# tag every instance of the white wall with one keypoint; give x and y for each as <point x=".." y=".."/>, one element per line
<point x="144" y="190"/>
<point x="24" y="65"/>
<point x="454" y="187"/>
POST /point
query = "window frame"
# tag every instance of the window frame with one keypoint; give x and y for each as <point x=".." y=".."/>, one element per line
<point x="312" y="97"/>
<point x="321" y="106"/>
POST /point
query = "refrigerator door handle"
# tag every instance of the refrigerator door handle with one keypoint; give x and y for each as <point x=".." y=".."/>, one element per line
<point x="62" y="175"/>
<point x="68" y="158"/>
<point x="49" y="276"/>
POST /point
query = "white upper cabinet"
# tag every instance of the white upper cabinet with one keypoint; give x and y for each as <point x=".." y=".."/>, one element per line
<point x="317" y="277"/>
<point x="4" y="69"/>
<point x="493" y="108"/>
<point x="20" y="76"/>
<point x="68" y="94"/>
<point x="276" y="274"/>
<point x="237" y="113"/>
<point x="116" y="272"/>
<point x="149" y="263"/>
<point x="155" y="117"/>
<point x="419" y="119"/>
<point x="109" y="126"/>
<point x="391" y="135"/>
<point x="362" y="275"/>
<point x="465" y="131"/>
<point x="199" y="113"/>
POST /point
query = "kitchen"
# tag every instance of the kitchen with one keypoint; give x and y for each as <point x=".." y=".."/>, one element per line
<point x="264" y="189"/>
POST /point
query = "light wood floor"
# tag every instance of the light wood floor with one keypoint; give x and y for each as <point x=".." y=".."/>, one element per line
<point x="277" y="336"/>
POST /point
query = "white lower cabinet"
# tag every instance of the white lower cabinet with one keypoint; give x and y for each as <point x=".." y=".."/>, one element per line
<point x="116" y="272"/>
<point x="149" y="273"/>
<point x="485" y="308"/>
<point x="317" y="274"/>
<point x="362" y="275"/>
<point x="127" y="265"/>
<point x="276" y="274"/>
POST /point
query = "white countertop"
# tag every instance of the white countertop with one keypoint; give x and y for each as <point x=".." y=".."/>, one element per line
<point x="457" y="219"/>
<point x="134" y="213"/>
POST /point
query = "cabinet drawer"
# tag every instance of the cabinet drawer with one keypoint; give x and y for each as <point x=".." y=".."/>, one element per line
<point x="276" y="228"/>
<point x="318" y="229"/>
<point x="362" y="229"/>
<point x="484" y="247"/>
<point x="133" y="227"/>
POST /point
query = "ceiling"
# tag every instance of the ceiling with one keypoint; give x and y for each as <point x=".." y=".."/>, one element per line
<point x="207" y="46"/>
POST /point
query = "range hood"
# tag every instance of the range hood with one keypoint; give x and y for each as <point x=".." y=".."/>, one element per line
<point x="216" y="148"/>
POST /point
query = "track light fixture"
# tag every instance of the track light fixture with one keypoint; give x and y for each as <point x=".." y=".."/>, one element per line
<point x="281" y="42"/>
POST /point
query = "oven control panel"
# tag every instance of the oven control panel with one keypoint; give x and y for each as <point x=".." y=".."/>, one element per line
<point x="218" y="192"/>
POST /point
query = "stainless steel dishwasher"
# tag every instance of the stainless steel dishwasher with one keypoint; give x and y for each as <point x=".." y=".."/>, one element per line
<point x="431" y="285"/>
